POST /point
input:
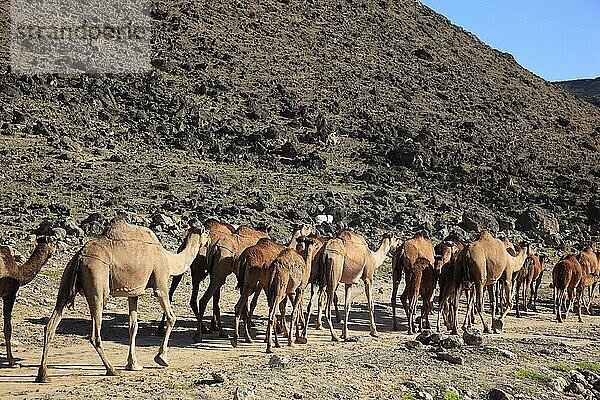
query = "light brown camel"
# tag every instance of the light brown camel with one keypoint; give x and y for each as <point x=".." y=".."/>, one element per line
<point x="402" y="260"/>
<point x="347" y="259"/>
<point x="254" y="272"/>
<point x="199" y="269"/>
<point x="221" y="263"/>
<point x="485" y="262"/>
<point x="14" y="275"/>
<point x="567" y="275"/>
<point x="290" y="272"/>
<point x="123" y="262"/>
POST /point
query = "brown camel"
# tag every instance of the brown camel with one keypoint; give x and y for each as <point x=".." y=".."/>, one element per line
<point x="450" y="280"/>
<point x="221" y="263"/>
<point x="123" y="262"/>
<point x="420" y="280"/>
<point x="590" y="264"/>
<point x="347" y="259"/>
<point x="289" y="276"/>
<point x="416" y="247"/>
<point x="567" y="275"/>
<point x="254" y="272"/>
<point x="199" y="269"/>
<point x="13" y="276"/>
<point x="529" y="278"/>
<point x="485" y="262"/>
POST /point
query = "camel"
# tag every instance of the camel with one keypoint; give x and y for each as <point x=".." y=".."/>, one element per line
<point x="123" y="262"/>
<point x="289" y="276"/>
<point x="253" y="275"/>
<point x="450" y="280"/>
<point x="529" y="278"/>
<point x="420" y="280"/>
<point x="347" y="259"/>
<point x="486" y="261"/>
<point x="590" y="264"/>
<point x="221" y="263"/>
<point x="199" y="269"/>
<point x="567" y="275"/>
<point x="13" y="276"/>
<point x="416" y="247"/>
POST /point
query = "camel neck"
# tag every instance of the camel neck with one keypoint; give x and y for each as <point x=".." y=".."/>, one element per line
<point x="381" y="252"/>
<point x="29" y="269"/>
<point x="180" y="262"/>
<point x="519" y="259"/>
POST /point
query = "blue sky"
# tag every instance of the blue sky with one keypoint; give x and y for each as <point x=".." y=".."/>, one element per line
<point x="555" y="39"/>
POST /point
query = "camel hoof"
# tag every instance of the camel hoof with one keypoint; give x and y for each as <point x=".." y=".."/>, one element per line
<point x="133" y="367"/>
<point x="223" y="335"/>
<point x="204" y="329"/>
<point x="497" y="325"/>
<point x="269" y="351"/>
<point x="319" y="327"/>
<point x="301" y="340"/>
<point x="161" y="359"/>
<point x="112" y="372"/>
<point x="12" y="363"/>
<point x="375" y="334"/>
<point x="335" y="339"/>
<point x="234" y="343"/>
<point x="249" y="340"/>
<point x="42" y="379"/>
<point x="197" y="338"/>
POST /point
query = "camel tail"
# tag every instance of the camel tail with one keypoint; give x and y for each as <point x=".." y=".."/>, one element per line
<point x="275" y="282"/>
<point x="69" y="283"/>
<point x="325" y="271"/>
<point x="241" y="267"/>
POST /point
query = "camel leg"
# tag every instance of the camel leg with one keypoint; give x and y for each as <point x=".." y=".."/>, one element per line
<point x="240" y="307"/>
<point x="307" y="319"/>
<point x="217" y="312"/>
<point x="322" y="301"/>
<point x="96" y="304"/>
<point x="210" y="291"/>
<point x="9" y="302"/>
<point x="517" y="303"/>
<point x="271" y="325"/>
<point x="132" y="361"/>
<point x="525" y="289"/>
<point x="295" y="317"/>
<point x="330" y="289"/>
<point x="254" y="302"/>
<point x="160" y="330"/>
<point x="558" y="298"/>
<point x="493" y="297"/>
<point x="579" y="300"/>
<point x="161" y="357"/>
<point x="395" y="325"/>
<point x="571" y="298"/>
<point x="479" y="307"/>
<point x="282" y="310"/>
<point x="49" y="330"/>
<point x="369" y="292"/>
<point x="409" y="317"/>
<point x="508" y="295"/>
<point x="335" y="305"/>
<point x="347" y="304"/>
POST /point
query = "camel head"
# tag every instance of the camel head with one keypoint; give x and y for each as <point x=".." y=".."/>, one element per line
<point x="197" y="228"/>
<point x="265" y="227"/>
<point x="48" y="242"/>
<point x="444" y="258"/>
<point x="303" y="229"/>
<point x="528" y="248"/>
<point x="392" y="241"/>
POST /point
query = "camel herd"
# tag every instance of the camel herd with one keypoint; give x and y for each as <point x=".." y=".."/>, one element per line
<point x="126" y="259"/>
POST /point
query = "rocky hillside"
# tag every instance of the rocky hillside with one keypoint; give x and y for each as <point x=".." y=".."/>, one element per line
<point x="381" y="113"/>
<point x="588" y="89"/>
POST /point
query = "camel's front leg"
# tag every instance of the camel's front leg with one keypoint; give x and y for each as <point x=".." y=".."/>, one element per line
<point x="9" y="302"/>
<point x="347" y="304"/>
<point x="96" y="304"/>
<point x="132" y="361"/>
<point x="161" y="357"/>
<point x="508" y="295"/>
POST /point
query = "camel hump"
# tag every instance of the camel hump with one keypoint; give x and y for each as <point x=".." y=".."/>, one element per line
<point x="348" y="236"/>
<point x="119" y="229"/>
<point x="485" y="235"/>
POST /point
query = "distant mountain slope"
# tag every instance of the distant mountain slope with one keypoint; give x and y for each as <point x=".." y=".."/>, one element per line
<point x="588" y="89"/>
<point x="412" y="119"/>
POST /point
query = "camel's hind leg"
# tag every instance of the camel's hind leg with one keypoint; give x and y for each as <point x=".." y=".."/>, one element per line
<point x="132" y="361"/>
<point x="161" y="357"/>
<point x="96" y="303"/>
<point x="49" y="330"/>
<point x="9" y="302"/>
<point x="347" y="306"/>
